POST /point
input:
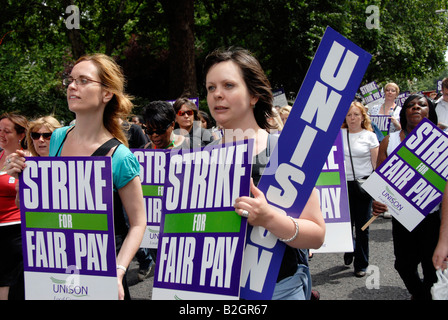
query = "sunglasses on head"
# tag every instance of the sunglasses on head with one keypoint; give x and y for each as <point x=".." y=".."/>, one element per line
<point x="150" y="132"/>
<point x="182" y="113"/>
<point x="37" y="135"/>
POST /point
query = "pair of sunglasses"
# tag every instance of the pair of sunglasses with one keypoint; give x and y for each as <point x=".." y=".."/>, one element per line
<point x="37" y="135"/>
<point x="158" y="131"/>
<point x="182" y="113"/>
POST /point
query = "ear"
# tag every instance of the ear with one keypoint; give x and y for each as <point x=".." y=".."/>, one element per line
<point x="107" y="96"/>
<point x="253" y="100"/>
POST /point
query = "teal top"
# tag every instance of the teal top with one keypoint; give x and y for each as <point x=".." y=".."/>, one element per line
<point x="125" y="165"/>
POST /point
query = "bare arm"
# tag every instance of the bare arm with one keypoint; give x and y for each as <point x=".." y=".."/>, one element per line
<point x="132" y="199"/>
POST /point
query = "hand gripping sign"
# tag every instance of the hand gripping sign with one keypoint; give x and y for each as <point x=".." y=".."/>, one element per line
<point x="412" y="179"/>
<point x="313" y="124"/>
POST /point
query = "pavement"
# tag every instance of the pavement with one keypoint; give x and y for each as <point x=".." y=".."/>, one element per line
<point x="330" y="276"/>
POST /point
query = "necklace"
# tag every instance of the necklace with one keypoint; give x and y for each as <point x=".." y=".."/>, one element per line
<point x="171" y="144"/>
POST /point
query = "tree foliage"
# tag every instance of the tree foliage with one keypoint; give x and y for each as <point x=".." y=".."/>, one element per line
<point x="161" y="44"/>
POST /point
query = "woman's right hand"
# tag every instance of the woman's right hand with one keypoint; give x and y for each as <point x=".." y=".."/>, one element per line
<point x="15" y="163"/>
<point x="378" y="208"/>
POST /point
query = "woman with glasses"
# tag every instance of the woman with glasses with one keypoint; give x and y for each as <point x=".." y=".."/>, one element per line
<point x="95" y="93"/>
<point x="189" y="123"/>
<point x="12" y="138"/>
<point x="39" y="135"/>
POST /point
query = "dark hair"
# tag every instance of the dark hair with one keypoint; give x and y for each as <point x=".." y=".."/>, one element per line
<point x="254" y="77"/>
<point x="445" y="83"/>
<point x="209" y="120"/>
<point x="159" y="114"/>
<point x="432" y="115"/>
<point x="177" y="105"/>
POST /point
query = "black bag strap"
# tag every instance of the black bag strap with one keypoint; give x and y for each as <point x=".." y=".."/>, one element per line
<point x="105" y="147"/>
<point x="350" y="152"/>
<point x="101" y="151"/>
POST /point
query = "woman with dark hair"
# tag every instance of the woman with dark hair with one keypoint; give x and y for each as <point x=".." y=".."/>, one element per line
<point x="159" y="118"/>
<point x="189" y="123"/>
<point x="240" y="100"/>
<point x="415" y="247"/>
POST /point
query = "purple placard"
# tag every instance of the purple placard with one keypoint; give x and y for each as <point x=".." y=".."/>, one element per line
<point x="66" y="209"/>
<point x="152" y="176"/>
<point x="332" y="186"/>
<point x="370" y="92"/>
<point x="411" y="180"/>
<point x="202" y="238"/>
<point x="313" y="124"/>
<point x="382" y="122"/>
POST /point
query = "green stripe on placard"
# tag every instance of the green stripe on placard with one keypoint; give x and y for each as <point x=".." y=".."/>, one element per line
<point x="152" y="190"/>
<point x="436" y="180"/>
<point x="329" y="179"/>
<point x="192" y="222"/>
<point x="58" y="220"/>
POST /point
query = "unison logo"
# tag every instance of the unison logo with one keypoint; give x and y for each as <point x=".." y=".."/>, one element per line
<point x="390" y="197"/>
<point x="62" y="287"/>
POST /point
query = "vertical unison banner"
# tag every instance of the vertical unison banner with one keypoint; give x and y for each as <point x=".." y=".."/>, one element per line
<point x="313" y="124"/>
<point x="68" y="228"/>
<point x="202" y="238"/>
<point x="412" y="179"/>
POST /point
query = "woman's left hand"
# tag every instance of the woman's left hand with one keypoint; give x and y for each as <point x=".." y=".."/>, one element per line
<point x="259" y="210"/>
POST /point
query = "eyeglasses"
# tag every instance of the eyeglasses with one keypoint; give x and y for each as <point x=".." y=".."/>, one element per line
<point x="158" y="131"/>
<point x="81" y="81"/>
<point x="37" y="135"/>
<point x="182" y="113"/>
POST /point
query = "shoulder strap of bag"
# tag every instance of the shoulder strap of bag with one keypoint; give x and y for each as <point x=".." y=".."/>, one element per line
<point x="105" y="147"/>
<point x="350" y="152"/>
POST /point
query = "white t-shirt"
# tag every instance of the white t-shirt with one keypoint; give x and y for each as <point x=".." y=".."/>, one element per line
<point x="360" y="145"/>
<point x="442" y="111"/>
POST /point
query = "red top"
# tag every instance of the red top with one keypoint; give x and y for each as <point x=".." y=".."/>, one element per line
<point x="8" y="209"/>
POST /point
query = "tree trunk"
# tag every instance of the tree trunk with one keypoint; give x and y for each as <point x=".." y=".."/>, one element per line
<point x="182" y="74"/>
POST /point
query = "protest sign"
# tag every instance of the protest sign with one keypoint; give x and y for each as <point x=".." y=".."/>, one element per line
<point x="401" y="99"/>
<point x="152" y="176"/>
<point x="201" y="240"/>
<point x="280" y="98"/>
<point x="313" y="124"/>
<point x="332" y="188"/>
<point x="370" y="92"/>
<point x="66" y="207"/>
<point x="382" y="122"/>
<point x="412" y="179"/>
